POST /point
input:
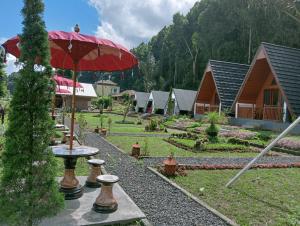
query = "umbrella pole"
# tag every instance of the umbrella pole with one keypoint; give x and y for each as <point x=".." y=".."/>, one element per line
<point x="73" y="106"/>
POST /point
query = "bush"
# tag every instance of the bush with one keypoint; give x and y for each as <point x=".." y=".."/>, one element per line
<point x="152" y="125"/>
<point x="265" y="136"/>
<point x="212" y="131"/>
<point x="234" y="140"/>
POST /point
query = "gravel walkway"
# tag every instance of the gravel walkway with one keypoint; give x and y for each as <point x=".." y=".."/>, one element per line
<point x="153" y="161"/>
<point x="162" y="203"/>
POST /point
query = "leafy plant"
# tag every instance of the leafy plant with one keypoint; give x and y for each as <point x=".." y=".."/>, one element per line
<point x="82" y="124"/>
<point x="109" y="122"/>
<point x="101" y="117"/>
<point x="146" y="151"/>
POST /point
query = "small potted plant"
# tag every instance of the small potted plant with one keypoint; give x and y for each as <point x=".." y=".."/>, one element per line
<point x="170" y="165"/>
<point x="136" y="150"/>
<point x="97" y="129"/>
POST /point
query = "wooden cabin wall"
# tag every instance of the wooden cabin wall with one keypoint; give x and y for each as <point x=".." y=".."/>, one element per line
<point x="207" y="90"/>
<point x="267" y="85"/>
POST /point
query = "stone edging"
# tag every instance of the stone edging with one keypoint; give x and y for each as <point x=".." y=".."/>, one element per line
<point x="214" y="211"/>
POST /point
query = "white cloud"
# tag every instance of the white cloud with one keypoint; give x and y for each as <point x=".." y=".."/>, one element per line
<point x="10" y="61"/>
<point x="132" y="21"/>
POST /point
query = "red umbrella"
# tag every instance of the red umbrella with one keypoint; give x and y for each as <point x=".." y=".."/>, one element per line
<point x="72" y="50"/>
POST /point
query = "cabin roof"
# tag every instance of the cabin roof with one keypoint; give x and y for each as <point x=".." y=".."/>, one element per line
<point x="141" y="99"/>
<point x="185" y="99"/>
<point x="160" y="99"/>
<point x="228" y="78"/>
<point x="285" y="62"/>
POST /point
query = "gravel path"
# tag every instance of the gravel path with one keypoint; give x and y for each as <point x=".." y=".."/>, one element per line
<point x="162" y="203"/>
<point x="153" y="161"/>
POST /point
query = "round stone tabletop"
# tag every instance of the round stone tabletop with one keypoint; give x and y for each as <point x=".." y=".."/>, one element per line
<point x="108" y="178"/>
<point x="96" y="161"/>
<point x="59" y="126"/>
<point x="77" y="151"/>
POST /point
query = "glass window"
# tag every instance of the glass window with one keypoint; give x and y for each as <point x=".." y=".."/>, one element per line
<point x="271" y="97"/>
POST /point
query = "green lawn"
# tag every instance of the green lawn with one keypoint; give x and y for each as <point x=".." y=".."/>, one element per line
<point x="158" y="147"/>
<point x="260" y="197"/>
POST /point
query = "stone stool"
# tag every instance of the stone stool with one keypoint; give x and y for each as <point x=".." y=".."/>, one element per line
<point x="64" y="139"/>
<point x="105" y="202"/>
<point x="68" y="137"/>
<point x="95" y="164"/>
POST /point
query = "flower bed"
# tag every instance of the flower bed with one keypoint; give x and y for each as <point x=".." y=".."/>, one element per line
<point x="289" y="144"/>
<point x="189" y="145"/>
<point x="239" y="166"/>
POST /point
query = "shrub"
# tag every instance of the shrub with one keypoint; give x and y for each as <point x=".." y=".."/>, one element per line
<point x="212" y="131"/>
<point x="152" y="125"/>
<point x="146" y="151"/>
<point x="265" y="136"/>
<point x="234" y="140"/>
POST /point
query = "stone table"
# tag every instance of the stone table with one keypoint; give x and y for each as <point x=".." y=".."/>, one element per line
<point x="69" y="185"/>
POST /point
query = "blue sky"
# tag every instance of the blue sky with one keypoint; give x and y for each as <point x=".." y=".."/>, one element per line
<point x="58" y="15"/>
<point x="127" y="22"/>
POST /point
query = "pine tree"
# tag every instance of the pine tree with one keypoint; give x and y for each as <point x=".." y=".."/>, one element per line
<point x="3" y="77"/>
<point x="28" y="188"/>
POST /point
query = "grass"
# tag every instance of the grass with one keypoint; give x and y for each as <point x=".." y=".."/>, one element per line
<point x="259" y="197"/>
<point x="158" y="147"/>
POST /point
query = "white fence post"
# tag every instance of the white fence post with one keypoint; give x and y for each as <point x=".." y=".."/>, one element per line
<point x="268" y="148"/>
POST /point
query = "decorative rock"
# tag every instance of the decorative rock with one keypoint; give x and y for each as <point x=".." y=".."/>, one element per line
<point x="94" y="173"/>
<point x="105" y="202"/>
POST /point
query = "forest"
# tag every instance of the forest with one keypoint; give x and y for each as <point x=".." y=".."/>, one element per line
<point x="227" y="30"/>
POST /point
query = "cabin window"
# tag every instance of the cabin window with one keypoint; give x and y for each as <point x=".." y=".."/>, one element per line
<point x="271" y="97"/>
<point x="273" y="82"/>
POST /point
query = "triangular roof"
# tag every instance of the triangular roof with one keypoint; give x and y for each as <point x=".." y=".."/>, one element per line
<point x="141" y="99"/>
<point x="228" y="78"/>
<point x="160" y="99"/>
<point x="285" y="66"/>
<point x="185" y="99"/>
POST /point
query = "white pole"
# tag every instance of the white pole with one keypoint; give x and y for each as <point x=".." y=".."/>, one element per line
<point x="284" y="111"/>
<point x="268" y="148"/>
<point x="220" y="107"/>
<point x="236" y="110"/>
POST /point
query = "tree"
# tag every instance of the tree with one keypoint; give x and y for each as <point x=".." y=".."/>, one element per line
<point x="127" y="102"/>
<point x="28" y="187"/>
<point x="3" y="77"/>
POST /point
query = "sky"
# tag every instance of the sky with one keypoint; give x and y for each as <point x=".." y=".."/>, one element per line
<point x="128" y="22"/>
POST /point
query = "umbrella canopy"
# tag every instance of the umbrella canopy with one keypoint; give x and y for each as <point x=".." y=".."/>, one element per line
<point x="87" y="52"/>
<point x="72" y="50"/>
<point x="61" y="81"/>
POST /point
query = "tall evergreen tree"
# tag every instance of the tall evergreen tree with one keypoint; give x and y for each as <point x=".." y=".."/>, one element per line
<point x="3" y="77"/>
<point x="28" y="189"/>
